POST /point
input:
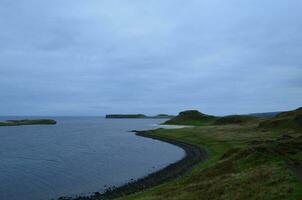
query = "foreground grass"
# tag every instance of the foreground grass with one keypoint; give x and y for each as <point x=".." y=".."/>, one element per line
<point x="244" y="163"/>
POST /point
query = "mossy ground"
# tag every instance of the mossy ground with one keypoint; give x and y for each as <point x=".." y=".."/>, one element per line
<point x="245" y="162"/>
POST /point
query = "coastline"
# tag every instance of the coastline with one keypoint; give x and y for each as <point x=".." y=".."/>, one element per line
<point x="193" y="156"/>
<point x="24" y="122"/>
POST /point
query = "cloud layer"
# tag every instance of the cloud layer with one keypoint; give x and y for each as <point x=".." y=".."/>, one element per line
<point x="119" y="56"/>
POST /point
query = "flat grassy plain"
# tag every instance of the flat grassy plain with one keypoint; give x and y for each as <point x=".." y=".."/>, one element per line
<point x="245" y="162"/>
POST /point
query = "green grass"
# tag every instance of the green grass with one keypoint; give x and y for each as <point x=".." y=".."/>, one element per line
<point x="245" y="162"/>
<point x="285" y="120"/>
<point x="236" y="119"/>
<point x="192" y="117"/>
<point x="196" y="118"/>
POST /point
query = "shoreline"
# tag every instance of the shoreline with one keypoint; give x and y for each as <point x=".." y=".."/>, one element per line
<point x="193" y="156"/>
<point x="26" y="122"/>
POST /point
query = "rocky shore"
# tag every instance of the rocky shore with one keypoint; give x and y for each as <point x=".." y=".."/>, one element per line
<point x="194" y="155"/>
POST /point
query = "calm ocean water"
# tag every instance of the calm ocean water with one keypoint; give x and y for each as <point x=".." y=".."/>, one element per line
<point x="79" y="155"/>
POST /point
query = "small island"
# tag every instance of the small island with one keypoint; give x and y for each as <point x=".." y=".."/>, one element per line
<point x="137" y="116"/>
<point x="119" y="116"/>
<point x="28" y="122"/>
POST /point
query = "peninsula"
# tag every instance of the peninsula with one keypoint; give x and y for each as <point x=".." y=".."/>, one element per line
<point x="248" y="158"/>
<point x="138" y="116"/>
<point x="28" y="122"/>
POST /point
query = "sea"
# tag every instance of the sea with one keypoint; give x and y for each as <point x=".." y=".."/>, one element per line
<point x="77" y="156"/>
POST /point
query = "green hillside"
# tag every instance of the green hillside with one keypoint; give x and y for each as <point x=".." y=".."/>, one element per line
<point x="285" y="120"/>
<point x="246" y="162"/>
<point x="236" y="119"/>
<point x="191" y="117"/>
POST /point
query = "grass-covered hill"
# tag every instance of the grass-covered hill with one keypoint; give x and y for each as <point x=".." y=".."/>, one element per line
<point x="284" y="120"/>
<point x="265" y="114"/>
<point x="194" y="117"/>
<point x="289" y="119"/>
<point x="236" y="119"/>
<point x="191" y="117"/>
<point x="245" y="161"/>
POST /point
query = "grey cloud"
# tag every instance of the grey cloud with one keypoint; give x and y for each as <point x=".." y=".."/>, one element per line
<point x="95" y="57"/>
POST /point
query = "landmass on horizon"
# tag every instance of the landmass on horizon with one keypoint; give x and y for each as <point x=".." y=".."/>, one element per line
<point x="138" y="116"/>
<point x="28" y="122"/>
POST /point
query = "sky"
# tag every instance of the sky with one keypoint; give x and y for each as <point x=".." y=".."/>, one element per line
<point x="132" y="56"/>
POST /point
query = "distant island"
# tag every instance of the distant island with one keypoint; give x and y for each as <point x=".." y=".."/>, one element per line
<point x="138" y="116"/>
<point x="28" y="122"/>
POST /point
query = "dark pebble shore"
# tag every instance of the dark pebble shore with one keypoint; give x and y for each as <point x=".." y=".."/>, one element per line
<point x="194" y="155"/>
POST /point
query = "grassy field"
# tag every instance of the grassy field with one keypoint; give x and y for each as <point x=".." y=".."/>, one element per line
<point x="245" y="162"/>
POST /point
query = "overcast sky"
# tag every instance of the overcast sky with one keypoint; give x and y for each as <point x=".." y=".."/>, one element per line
<point x="79" y="57"/>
